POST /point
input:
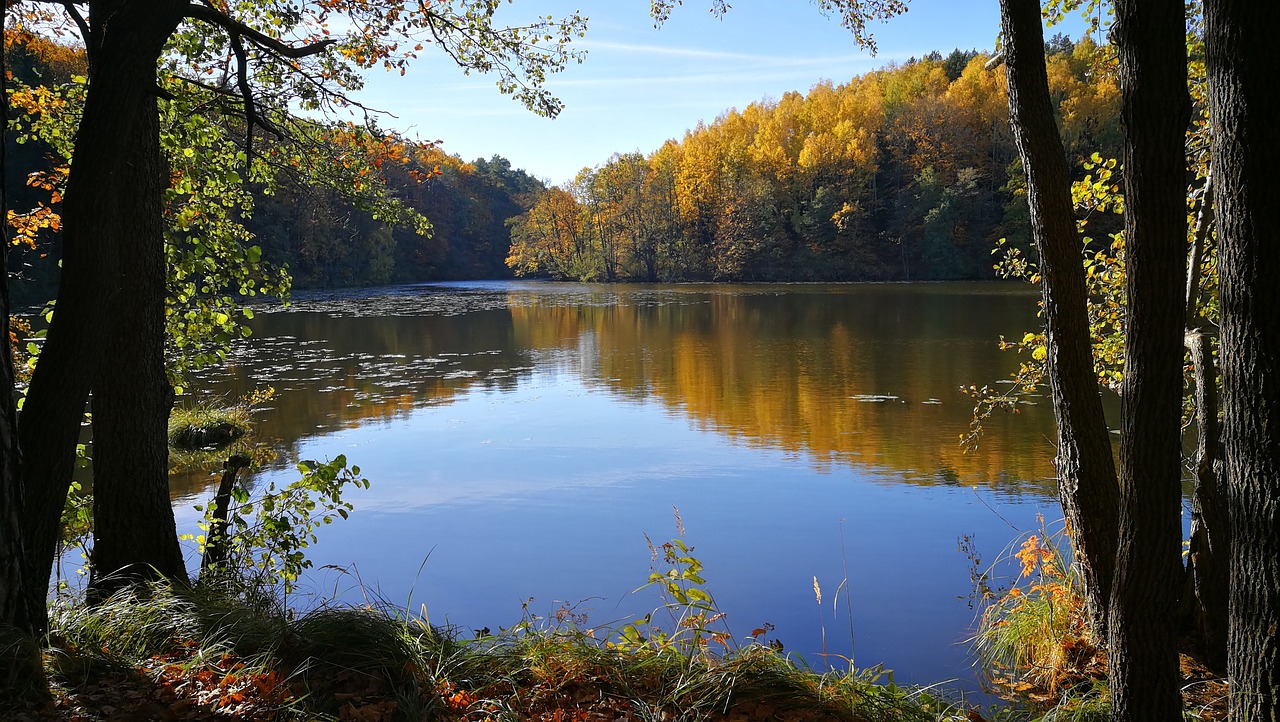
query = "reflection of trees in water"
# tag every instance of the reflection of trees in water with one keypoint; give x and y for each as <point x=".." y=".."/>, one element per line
<point x="770" y="367"/>
<point x="777" y="370"/>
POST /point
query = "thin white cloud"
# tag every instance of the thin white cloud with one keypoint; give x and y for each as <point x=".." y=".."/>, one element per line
<point x="671" y="80"/>
<point x="772" y="60"/>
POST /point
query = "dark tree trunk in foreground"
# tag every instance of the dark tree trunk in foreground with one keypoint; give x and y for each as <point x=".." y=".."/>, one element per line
<point x="21" y="671"/>
<point x="134" y="535"/>
<point x="13" y="601"/>
<point x="1243" y="106"/>
<point x="114" y="183"/>
<point x="1086" y="467"/>
<point x="1155" y="108"/>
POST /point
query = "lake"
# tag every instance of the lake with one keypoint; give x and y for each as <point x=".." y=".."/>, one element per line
<point x="523" y="438"/>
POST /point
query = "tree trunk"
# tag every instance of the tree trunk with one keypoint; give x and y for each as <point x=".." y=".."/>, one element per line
<point x="12" y="601"/>
<point x="216" y="544"/>
<point x="134" y="535"/>
<point x="1150" y="37"/>
<point x="1205" y="599"/>
<point x="1086" y="467"/>
<point x="1243" y="105"/>
<point x="111" y="179"/>
<point x="14" y="610"/>
<point x="21" y="672"/>
<point x="1208" y="558"/>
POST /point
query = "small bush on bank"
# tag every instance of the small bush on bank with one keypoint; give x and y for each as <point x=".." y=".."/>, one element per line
<point x="207" y="426"/>
<point x="1034" y="644"/>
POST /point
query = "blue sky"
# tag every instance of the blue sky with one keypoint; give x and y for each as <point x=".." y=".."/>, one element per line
<point x="640" y="86"/>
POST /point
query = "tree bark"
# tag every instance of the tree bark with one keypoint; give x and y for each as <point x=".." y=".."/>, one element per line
<point x="1086" y="467"/>
<point x="134" y="535"/>
<point x="1242" y="66"/>
<point x="1155" y="108"/>
<point x="113" y="176"/>
<point x="1204" y="598"/>
<point x="21" y="666"/>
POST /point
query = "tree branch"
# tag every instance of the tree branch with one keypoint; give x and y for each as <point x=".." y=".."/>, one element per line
<point x="1203" y="224"/>
<point x="246" y="93"/>
<point x="81" y="23"/>
<point x="235" y="27"/>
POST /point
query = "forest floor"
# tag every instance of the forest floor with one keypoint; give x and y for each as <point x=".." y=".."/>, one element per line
<point x="176" y="662"/>
<point x="184" y="655"/>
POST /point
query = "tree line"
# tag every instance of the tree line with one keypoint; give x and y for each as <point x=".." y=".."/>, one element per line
<point x="904" y="173"/>
<point x="325" y="241"/>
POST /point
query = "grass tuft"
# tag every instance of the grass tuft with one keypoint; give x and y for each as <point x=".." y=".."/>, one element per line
<point x="208" y="425"/>
<point x="1033" y="639"/>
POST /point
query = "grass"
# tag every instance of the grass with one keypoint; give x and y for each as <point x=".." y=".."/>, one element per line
<point x="202" y="436"/>
<point x="1034" y="644"/>
<point x="208" y="425"/>
<point x="229" y="649"/>
<point x="229" y="652"/>
<point x="1033" y="639"/>
<point x="215" y="424"/>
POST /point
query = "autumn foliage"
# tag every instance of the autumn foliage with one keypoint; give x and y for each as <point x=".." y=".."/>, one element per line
<point x="905" y="173"/>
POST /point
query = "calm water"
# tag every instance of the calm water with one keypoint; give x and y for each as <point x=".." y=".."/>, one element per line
<point x="522" y="438"/>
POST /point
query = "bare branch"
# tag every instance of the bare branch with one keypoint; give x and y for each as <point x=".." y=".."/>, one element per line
<point x="246" y="93"/>
<point x="81" y="23"/>
<point x="206" y="86"/>
<point x="231" y="25"/>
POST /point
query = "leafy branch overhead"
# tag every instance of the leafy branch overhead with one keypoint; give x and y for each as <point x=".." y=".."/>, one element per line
<point x="853" y="14"/>
<point x="314" y="52"/>
<point x="260" y="58"/>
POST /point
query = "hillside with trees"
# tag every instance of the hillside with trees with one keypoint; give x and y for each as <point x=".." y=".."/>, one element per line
<point x="326" y="242"/>
<point x="905" y="173"/>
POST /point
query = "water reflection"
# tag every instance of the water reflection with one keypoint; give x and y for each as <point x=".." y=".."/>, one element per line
<point x="865" y="375"/>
